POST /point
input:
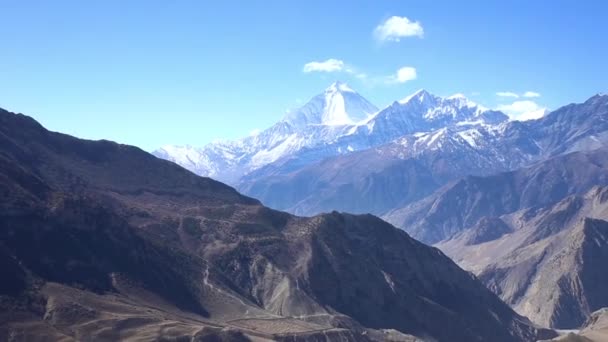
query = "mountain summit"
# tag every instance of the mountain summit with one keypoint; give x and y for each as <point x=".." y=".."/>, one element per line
<point x="421" y="95"/>
<point x="323" y="119"/>
<point x="338" y="105"/>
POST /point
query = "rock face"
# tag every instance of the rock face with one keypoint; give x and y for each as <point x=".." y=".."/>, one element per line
<point x="548" y="262"/>
<point x="595" y="329"/>
<point x="103" y="241"/>
<point x="463" y="203"/>
<point x="535" y="236"/>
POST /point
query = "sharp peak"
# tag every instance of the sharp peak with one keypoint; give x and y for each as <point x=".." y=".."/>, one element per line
<point x="339" y="86"/>
<point x="421" y="91"/>
<point x="597" y="97"/>
<point x="418" y="94"/>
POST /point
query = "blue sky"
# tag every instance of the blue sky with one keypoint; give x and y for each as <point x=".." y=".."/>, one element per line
<point x="150" y="73"/>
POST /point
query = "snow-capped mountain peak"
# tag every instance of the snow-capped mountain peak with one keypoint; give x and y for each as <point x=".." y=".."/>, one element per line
<point x="338" y="105"/>
<point x="337" y="121"/>
<point x="339" y="86"/>
<point x="442" y="110"/>
<point x="423" y="97"/>
<point x="462" y="101"/>
<point x="420" y="96"/>
<point x="335" y="112"/>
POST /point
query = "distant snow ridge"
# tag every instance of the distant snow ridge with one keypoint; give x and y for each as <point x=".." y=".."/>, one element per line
<point x="337" y="121"/>
<point x="455" y="106"/>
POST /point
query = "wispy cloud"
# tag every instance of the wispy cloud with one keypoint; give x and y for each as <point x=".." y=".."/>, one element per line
<point x="523" y="110"/>
<point x="528" y="94"/>
<point x="402" y="75"/>
<point x="395" y="28"/>
<point x="330" y="65"/>
<point x="507" y="94"/>
<point x="531" y="94"/>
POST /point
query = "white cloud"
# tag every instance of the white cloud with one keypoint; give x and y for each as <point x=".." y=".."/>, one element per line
<point x="507" y="94"/>
<point x="405" y="74"/>
<point x="395" y="28"/>
<point x="330" y="65"/>
<point x="531" y="94"/>
<point x="333" y="65"/>
<point x="523" y="110"/>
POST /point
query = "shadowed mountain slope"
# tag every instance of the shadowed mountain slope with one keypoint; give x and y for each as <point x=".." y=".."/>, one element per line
<point x="104" y="241"/>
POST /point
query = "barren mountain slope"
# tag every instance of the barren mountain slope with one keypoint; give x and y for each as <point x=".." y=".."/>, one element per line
<point x="548" y="262"/>
<point x="101" y="240"/>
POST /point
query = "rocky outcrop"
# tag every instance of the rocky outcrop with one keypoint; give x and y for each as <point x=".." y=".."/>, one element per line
<point x="549" y="266"/>
<point x="595" y="329"/>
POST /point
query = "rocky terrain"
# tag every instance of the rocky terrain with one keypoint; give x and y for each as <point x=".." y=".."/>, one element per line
<point x="595" y="329"/>
<point x="545" y="261"/>
<point x="102" y="241"/>
<point x="463" y="203"/>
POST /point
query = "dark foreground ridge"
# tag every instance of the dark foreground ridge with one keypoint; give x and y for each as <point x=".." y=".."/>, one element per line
<point x="102" y="241"/>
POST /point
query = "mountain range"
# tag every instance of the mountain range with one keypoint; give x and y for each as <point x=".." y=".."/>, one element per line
<point x="545" y="261"/>
<point x="154" y="251"/>
<point x="519" y="204"/>
<point x="392" y="157"/>
<point x="103" y="241"/>
<point x="336" y="122"/>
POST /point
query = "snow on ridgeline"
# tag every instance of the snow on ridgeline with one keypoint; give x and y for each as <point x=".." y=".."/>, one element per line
<point x="337" y="121"/>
